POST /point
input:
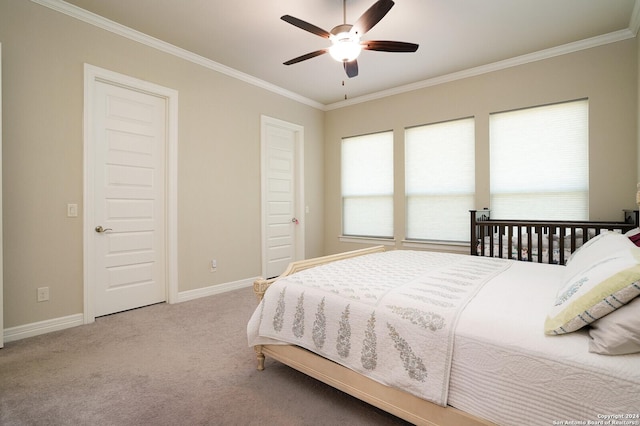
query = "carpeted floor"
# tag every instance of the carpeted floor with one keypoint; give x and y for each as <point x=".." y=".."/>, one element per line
<point x="182" y="364"/>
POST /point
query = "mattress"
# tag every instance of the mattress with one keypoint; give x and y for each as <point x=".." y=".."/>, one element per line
<point x="505" y="369"/>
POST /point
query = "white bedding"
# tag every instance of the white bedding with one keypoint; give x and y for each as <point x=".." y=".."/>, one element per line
<point x="507" y="370"/>
<point x="503" y="367"/>
<point x="390" y="316"/>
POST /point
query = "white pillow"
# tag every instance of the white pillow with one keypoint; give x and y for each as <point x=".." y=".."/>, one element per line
<point x="603" y="278"/>
<point x="617" y="333"/>
<point x="593" y="250"/>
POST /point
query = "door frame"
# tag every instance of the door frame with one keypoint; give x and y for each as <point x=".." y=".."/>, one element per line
<point x="300" y="208"/>
<point x="93" y="74"/>
<point x="1" y="235"/>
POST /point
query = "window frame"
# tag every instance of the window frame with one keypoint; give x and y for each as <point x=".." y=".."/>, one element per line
<point x="469" y="193"/>
<point x="580" y="166"/>
<point x="383" y="137"/>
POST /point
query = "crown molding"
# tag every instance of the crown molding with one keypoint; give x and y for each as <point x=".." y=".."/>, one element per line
<point x="111" y="26"/>
<point x="496" y="66"/>
<point x="121" y="30"/>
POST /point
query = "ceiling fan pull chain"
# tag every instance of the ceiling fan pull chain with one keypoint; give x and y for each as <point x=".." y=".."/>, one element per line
<point x="344" y="12"/>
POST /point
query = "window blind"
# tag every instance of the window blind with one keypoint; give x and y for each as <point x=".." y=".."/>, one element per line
<point x="440" y="180"/>
<point x="540" y="162"/>
<point x="367" y="185"/>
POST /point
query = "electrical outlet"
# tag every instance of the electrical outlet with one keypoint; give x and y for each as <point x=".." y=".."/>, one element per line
<point x="213" y="266"/>
<point x="43" y="294"/>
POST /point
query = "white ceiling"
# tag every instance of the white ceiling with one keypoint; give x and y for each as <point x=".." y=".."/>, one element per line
<point x="455" y="36"/>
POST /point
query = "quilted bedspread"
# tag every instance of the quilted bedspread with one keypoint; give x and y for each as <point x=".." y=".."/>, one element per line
<point x="390" y="316"/>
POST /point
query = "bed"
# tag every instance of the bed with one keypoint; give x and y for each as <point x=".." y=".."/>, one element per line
<point x="550" y="242"/>
<point x="511" y="355"/>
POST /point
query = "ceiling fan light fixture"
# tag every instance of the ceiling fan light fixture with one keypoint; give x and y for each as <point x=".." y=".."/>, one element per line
<point x="345" y="38"/>
<point x="345" y="48"/>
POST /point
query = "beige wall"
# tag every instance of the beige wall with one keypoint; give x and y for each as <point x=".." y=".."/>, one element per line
<point x="606" y="75"/>
<point x="219" y="159"/>
<point x="219" y="136"/>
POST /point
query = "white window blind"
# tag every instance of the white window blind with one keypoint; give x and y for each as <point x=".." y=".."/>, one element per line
<point x="440" y="180"/>
<point x="367" y="185"/>
<point x="540" y="162"/>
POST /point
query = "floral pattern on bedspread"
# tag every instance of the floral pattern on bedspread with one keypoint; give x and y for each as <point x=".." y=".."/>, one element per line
<point x="390" y="316"/>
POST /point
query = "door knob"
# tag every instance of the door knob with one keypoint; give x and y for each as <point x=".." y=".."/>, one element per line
<point x="100" y="229"/>
<point x="294" y="220"/>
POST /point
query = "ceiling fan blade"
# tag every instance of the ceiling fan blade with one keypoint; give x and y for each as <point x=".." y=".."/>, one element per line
<point x="389" y="46"/>
<point x="351" y="68"/>
<point x="307" y="56"/>
<point x="305" y="26"/>
<point x="372" y="16"/>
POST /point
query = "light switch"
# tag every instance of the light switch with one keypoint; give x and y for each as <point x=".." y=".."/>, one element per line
<point x="72" y="210"/>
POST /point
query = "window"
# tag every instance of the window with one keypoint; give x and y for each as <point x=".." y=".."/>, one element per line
<point x="440" y="180"/>
<point x="367" y="185"/>
<point x="540" y="162"/>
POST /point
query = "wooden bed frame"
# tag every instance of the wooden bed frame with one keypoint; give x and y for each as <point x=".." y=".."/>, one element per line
<point x="483" y="226"/>
<point x="404" y="405"/>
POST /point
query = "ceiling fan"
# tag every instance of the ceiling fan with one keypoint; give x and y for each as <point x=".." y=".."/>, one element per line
<point x="345" y="38"/>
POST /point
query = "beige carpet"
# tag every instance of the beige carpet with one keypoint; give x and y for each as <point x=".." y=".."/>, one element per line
<point x="182" y="364"/>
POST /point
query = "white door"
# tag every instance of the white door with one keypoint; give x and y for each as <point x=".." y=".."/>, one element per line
<point x="282" y="205"/>
<point x="129" y="186"/>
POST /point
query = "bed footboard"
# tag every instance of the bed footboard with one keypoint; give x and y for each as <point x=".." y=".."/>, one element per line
<point x="261" y="285"/>
<point x="537" y="241"/>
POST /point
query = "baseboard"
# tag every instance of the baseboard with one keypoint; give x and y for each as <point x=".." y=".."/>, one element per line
<point x="184" y="296"/>
<point x="56" y="324"/>
<point x="42" y="327"/>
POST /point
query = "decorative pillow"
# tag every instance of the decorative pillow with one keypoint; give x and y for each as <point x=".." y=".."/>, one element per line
<point x="617" y="333"/>
<point x="602" y="286"/>
<point x="634" y="236"/>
